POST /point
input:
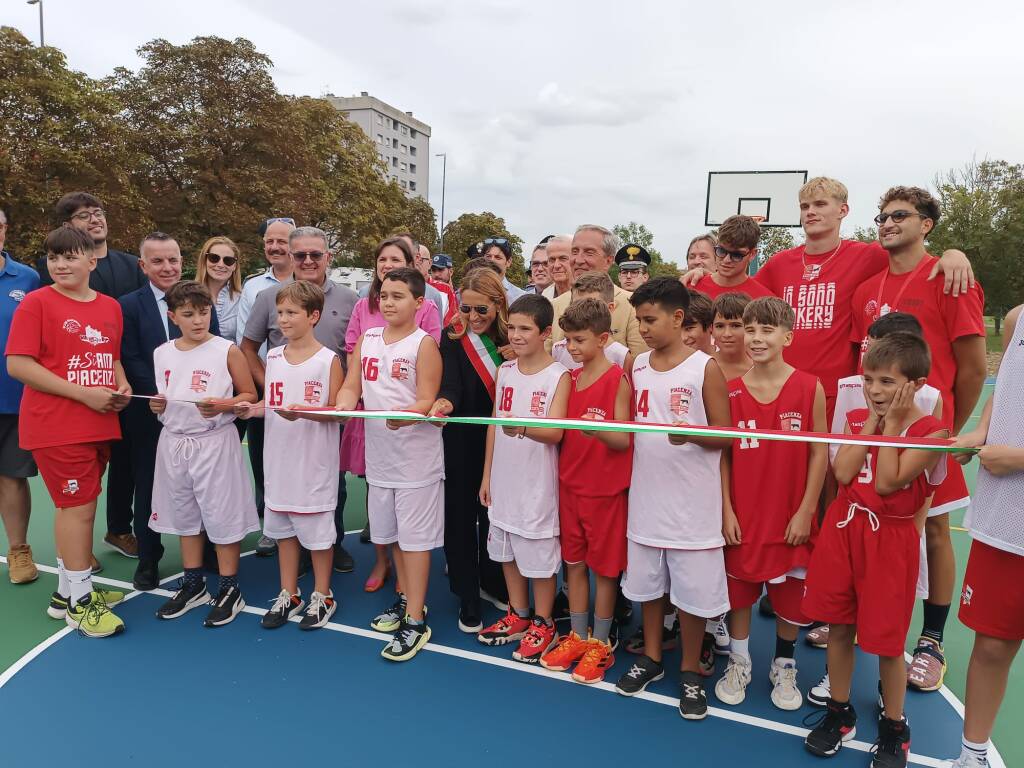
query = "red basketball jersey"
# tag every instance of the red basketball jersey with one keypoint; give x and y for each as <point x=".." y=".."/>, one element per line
<point x="769" y="478"/>
<point x="586" y="466"/>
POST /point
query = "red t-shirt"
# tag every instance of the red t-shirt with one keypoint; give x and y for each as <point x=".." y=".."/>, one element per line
<point x="79" y="341"/>
<point x="750" y="286"/>
<point x="453" y="302"/>
<point x="586" y="466"/>
<point x="943" y="318"/>
<point x="769" y="478"/>
<point x="823" y="301"/>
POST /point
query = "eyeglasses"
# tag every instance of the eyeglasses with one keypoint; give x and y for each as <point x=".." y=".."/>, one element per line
<point x="229" y="261"/>
<point x="285" y="219"/>
<point x="481" y="310"/>
<point x="99" y="214"/>
<point x="535" y="264"/>
<point x="897" y="216"/>
<point x="495" y="241"/>
<point x="301" y="256"/>
<point x="722" y="253"/>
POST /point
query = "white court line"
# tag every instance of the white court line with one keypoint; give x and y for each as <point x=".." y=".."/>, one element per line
<point x="995" y="759"/>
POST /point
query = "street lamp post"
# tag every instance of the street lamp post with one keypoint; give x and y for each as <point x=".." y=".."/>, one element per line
<point x="444" y="174"/>
<point x="42" y="40"/>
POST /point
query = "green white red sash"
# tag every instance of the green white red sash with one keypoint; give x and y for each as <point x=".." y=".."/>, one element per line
<point x="484" y="356"/>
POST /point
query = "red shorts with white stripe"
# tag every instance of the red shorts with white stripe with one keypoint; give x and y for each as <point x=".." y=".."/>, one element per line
<point x="952" y="494"/>
<point x="786" y="596"/>
<point x="992" y="600"/>
<point x="73" y="473"/>
<point x="865" y="574"/>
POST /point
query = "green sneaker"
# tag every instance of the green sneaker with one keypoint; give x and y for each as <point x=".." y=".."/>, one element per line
<point x="58" y="607"/>
<point x="93" y="618"/>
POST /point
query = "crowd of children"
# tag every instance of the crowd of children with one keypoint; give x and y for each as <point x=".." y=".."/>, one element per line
<point x="693" y="528"/>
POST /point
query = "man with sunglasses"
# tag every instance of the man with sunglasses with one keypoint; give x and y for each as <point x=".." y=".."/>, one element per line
<point x="498" y="251"/>
<point x="311" y="257"/>
<point x="117" y="273"/>
<point x="737" y="245"/>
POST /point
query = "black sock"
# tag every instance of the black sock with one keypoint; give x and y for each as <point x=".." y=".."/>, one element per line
<point x="226" y="582"/>
<point x="194" y="579"/>
<point x="934" y="620"/>
<point x="784" y="649"/>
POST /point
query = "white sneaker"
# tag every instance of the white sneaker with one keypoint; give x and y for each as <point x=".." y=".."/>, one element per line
<point x="785" y="694"/>
<point x="967" y="761"/>
<point x="732" y="686"/>
<point x="722" y="639"/>
<point x="821" y="693"/>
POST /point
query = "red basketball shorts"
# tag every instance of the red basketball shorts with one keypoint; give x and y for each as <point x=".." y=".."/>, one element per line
<point x="73" y="473"/>
<point x="992" y="600"/>
<point x="593" y="531"/>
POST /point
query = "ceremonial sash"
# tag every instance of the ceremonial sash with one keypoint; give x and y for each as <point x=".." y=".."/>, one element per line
<point x="484" y="356"/>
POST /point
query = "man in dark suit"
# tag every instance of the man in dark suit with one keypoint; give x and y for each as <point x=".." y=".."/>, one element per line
<point x="116" y="274"/>
<point x="146" y="327"/>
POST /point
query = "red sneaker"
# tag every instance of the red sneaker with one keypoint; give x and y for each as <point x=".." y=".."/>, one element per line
<point x="597" y="658"/>
<point x="539" y="639"/>
<point x="569" y="650"/>
<point x="507" y="629"/>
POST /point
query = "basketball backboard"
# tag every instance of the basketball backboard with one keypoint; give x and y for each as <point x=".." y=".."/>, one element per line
<point x="767" y="195"/>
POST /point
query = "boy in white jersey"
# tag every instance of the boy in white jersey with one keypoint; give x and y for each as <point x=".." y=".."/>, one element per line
<point x="593" y="285"/>
<point x="300" y="457"/>
<point x="400" y="369"/>
<point x="523" y="535"/>
<point x="674" y="527"/>
<point x="201" y="484"/>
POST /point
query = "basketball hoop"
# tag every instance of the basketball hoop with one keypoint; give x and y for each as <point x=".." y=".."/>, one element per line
<point x="758" y="219"/>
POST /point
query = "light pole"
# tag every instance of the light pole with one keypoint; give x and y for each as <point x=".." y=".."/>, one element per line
<point x="444" y="174"/>
<point x="42" y="40"/>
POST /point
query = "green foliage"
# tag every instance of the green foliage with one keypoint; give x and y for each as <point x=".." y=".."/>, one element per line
<point x="773" y="240"/>
<point x="638" y="234"/>
<point x="472" y="228"/>
<point x="865" y="235"/>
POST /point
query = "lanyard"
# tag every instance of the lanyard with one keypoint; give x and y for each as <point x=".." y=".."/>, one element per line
<point x="893" y="307"/>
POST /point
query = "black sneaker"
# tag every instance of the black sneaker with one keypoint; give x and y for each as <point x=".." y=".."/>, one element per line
<point x="184" y="600"/>
<point x="693" y="700"/>
<point x="469" y="617"/>
<point x="892" y="746"/>
<point x="408" y="640"/>
<point x="707" y="655"/>
<point x="765" y="607"/>
<point x="560" y="612"/>
<point x="838" y="723"/>
<point x="265" y="546"/>
<point x="364" y="535"/>
<point x="285" y="606"/>
<point x="881" y="699"/>
<point x="321" y="608"/>
<point x="389" y="620"/>
<point x="623" y="608"/>
<point x="229" y="603"/>
<point x="669" y="639"/>
<point x="343" y="561"/>
<point x="640" y="674"/>
<point x="613" y="635"/>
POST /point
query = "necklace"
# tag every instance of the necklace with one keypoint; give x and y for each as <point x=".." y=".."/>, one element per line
<point x="813" y="271"/>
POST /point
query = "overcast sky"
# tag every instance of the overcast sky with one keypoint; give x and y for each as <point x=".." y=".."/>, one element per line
<point x="608" y="112"/>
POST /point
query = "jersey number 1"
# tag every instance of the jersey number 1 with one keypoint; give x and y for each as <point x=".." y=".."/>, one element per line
<point x="748" y="442"/>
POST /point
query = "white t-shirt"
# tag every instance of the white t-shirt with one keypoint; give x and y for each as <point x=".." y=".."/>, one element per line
<point x="524" y="473"/>
<point x="614" y="351"/>
<point x="300" y="458"/>
<point x="194" y="374"/>
<point x="410" y="457"/>
<point x="675" y="496"/>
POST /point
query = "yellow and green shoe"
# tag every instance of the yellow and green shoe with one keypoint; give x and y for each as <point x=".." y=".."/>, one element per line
<point x="93" y="618"/>
<point x="58" y="607"/>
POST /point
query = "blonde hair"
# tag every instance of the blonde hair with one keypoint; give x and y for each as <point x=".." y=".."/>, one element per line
<point x="823" y="185"/>
<point x="235" y="281"/>
<point x="488" y="283"/>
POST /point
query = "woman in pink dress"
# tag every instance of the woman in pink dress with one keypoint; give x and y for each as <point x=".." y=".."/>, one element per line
<point x="390" y="254"/>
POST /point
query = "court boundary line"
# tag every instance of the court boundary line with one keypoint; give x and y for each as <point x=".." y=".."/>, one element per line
<point x="995" y="758"/>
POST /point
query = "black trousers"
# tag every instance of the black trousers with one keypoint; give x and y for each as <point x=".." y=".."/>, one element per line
<point x="142" y="431"/>
<point x="470" y="568"/>
<point x="120" y="488"/>
<point x="254" y="436"/>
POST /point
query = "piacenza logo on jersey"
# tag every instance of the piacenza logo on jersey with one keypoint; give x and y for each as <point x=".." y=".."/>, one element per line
<point x="814" y="304"/>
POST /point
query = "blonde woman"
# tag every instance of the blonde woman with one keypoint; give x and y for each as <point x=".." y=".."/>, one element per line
<point x="218" y="269"/>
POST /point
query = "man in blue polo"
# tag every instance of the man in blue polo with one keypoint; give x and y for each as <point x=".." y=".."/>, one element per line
<point x="16" y="465"/>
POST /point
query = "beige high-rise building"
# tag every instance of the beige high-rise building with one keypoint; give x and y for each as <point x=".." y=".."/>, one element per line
<point x="402" y="140"/>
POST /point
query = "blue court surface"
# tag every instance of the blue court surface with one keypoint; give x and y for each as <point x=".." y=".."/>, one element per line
<point x="173" y="693"/>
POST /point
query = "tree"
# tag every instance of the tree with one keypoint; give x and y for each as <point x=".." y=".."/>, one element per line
<point x="865" y="235"/>
<point x="638" y="234"/>
<point x="983" y="215"/>
<point x="773" y="240"/>
<point x="472" y="228"/>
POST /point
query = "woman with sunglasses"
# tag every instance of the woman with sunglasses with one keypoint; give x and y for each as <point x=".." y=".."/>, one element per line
<point x="218" y="269"/>
<point x="470" y="353"/>
<point x="389" y="254"/>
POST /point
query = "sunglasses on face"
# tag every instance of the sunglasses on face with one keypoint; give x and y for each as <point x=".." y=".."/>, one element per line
<point x="229" y="261"/>
<point x="285" y="219"/>
<point x="495" y="241"/>
<point x="481" y="310"/>
<point x="301" y="256"/>
<point x="897" y="216"/>
<point x="723" y="253"/>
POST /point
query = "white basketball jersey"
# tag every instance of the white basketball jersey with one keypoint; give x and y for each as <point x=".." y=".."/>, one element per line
<point x="300" y="458"/>
<point x="850" y="397"/>
<point x="194" y="374"/>
<point x="614" y="351"/>
<point x="524" y="473"/>
<point x="675" y="499"/>
<point x="410" y="457"/>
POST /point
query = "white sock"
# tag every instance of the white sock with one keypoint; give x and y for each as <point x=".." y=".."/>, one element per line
<point x="972" y="749"/>
<point x="670" y="620"/>
<point x="711" y="625"/>
<point x="741" y="647"/>
<point x="63" y="585"/>
<point x="80" y="584"/>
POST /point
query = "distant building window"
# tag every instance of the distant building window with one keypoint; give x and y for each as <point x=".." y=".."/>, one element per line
<point x="404" y="130"/>
<point x="380" y="119"/>
<point x="412" y="186"/>
<point x="412" y="167"/>
<point x="394" y="143"/>
<point x="412" y="150"/>
<point x="394" y="125"/>
<point x="403" y="167"/>
<point x="405" y="149"/>
<point x="412" y="133"/>
<point x="380" y="138"/>
<point x="404" y="185"/>
<point x="394" y="162"/>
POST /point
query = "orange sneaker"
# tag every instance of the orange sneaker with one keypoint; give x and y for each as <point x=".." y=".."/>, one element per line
<point x="569" y="650"/>
<point x="595" y="661"/>
<point x="508" y="629"/>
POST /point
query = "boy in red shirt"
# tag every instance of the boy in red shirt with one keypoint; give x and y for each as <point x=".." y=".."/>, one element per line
<point x="594" y="470"/>
<point x="863" y="572"/>
<point x="773" y="494"/>
<point x="954" y="329"/>
<point x="64" y="345"/>
<point x="737" y="245"/>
